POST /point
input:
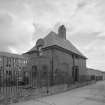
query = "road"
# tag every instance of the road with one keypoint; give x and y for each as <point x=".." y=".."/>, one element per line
<point x="88" y="95"/>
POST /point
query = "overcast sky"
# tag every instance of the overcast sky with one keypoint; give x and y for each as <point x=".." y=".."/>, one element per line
<point x="22" y="22"/>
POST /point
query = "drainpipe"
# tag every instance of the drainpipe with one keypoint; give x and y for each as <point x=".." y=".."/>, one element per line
<point x="52" y="71"/>
<point x="73" y="67"/>
<point x="73" y="60"/>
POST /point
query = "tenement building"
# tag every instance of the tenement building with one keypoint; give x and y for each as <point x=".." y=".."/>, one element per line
<point x="54" y="58"/>
<point x="11" y="68"/>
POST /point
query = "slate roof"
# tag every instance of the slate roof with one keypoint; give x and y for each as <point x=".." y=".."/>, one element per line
<point x="91" y="71"/>
<point x="53" y="39"/>
<point x="7" y="54"/>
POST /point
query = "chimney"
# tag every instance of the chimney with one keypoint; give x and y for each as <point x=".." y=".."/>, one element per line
<point x="62" y="32"/>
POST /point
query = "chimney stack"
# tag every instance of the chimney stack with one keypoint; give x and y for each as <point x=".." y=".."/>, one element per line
<point x="62" y="32"/>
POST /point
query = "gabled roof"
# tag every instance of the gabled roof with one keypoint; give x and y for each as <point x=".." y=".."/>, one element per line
<point x="53" y="39"/>
<point x="7" y="54"/>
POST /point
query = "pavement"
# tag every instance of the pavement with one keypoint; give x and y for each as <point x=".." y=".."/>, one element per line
<point x="89" y="95"/>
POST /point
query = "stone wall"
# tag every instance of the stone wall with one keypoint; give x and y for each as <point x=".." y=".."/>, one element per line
<point x="57" y="60"/>
<point x="62" y="61"/>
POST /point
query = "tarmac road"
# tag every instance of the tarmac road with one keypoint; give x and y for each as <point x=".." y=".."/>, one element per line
<point x="88" y="95"/>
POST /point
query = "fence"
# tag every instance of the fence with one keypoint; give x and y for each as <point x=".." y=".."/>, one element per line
<point x="15" y="83"/>
<point x="19" y="83"/>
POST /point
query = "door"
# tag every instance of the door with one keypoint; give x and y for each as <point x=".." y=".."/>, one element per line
<point x="34" y="76"/>
<point x="75" y="73"/>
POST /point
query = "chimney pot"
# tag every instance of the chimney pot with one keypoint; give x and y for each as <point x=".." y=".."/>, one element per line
<point x="62" y="32"/>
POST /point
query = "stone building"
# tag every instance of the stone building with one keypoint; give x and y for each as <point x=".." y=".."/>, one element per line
<point x="55" y="54"/>
<point x="95" y="74"/>
<point x="103" y="75"/>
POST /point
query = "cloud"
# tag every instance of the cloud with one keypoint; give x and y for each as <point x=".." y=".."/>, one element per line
<point x="5" y="20"/>
<point x="85" y="21"/>
<point x="16" y="29"/>
<point x="95" y="51"/>
<point x="101" y="35"/>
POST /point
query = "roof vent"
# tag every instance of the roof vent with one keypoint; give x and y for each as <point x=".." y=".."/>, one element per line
<point x="62" y="32"/>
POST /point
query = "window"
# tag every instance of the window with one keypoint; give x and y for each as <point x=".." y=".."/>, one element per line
<point x="1" y="67"/>
<point x="24" y="62"/>
<point x="8" y="62"/>
<point x="76" y="56"/>
<point x="0" y="59"/>
<point x="40" y="53"/>
<point x="34" y="68"/>
<point x="8" y="72"/>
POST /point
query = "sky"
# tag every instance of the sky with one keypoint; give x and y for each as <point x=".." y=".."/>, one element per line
<point x="22" y="22"/>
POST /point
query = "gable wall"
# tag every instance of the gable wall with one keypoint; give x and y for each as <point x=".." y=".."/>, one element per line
<point x="64" y="58"/>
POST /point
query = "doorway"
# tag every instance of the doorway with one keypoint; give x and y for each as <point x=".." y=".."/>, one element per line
<point x="75" y="73"/>
<point x="34" y="71"/>
<point x="34" y="76"/>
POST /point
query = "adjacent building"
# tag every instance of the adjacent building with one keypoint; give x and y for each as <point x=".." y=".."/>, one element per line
<point x="11" y="66"/>
<point x="95" y="74"/>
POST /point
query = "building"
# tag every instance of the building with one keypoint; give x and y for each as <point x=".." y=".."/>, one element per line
<point x="103" y="75"/>
<point x="11" y="66"/>
<point x="95" y="74"/>
<point x="54" y="56"/>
